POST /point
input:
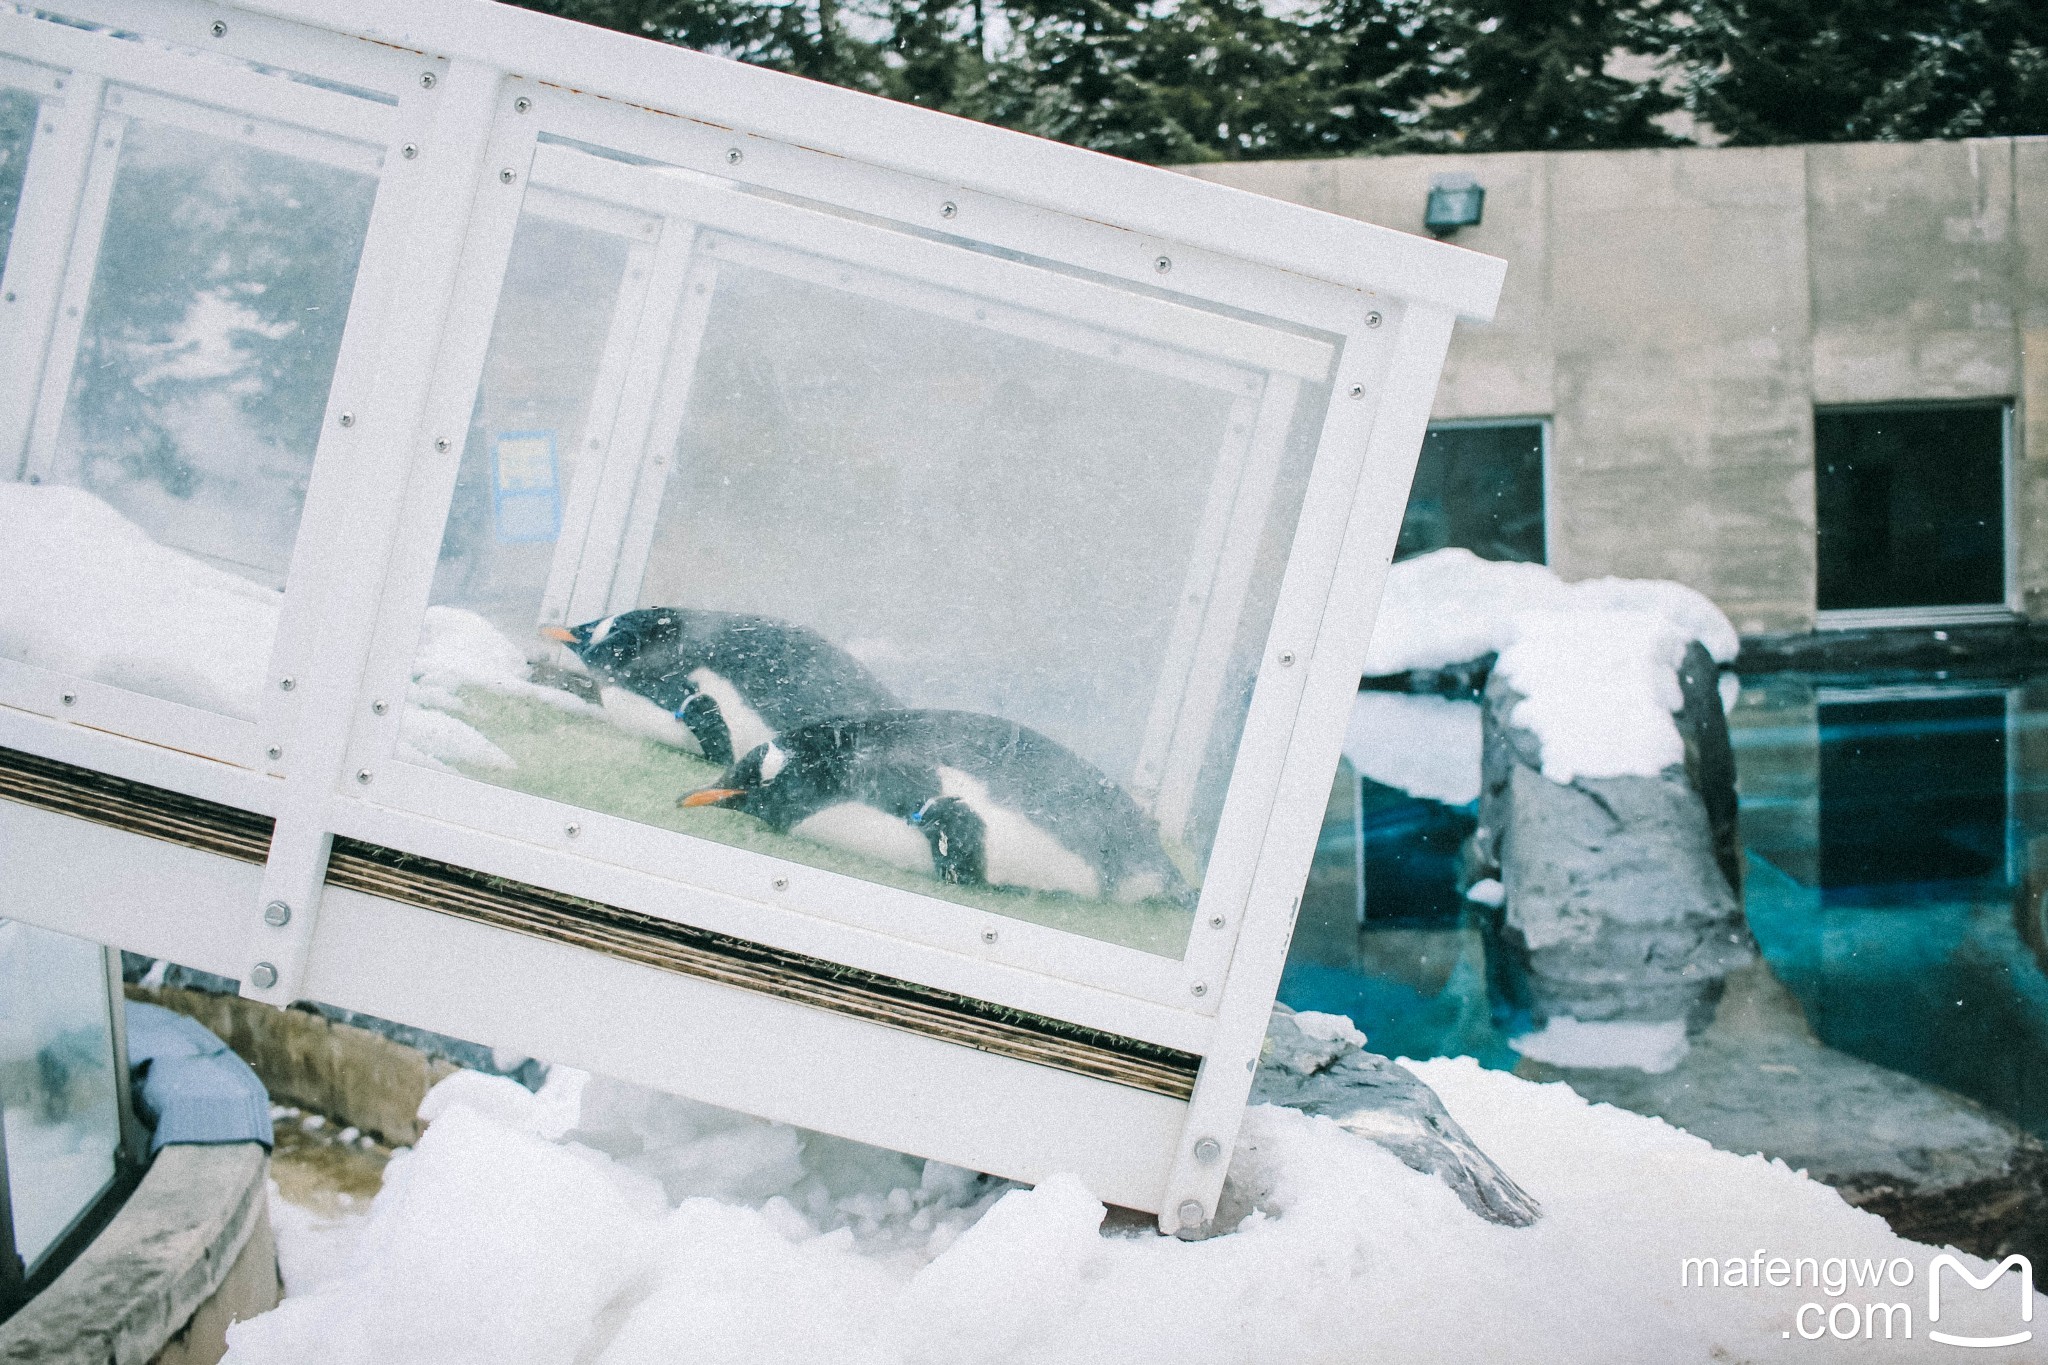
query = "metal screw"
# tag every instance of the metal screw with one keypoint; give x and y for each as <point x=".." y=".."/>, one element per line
<point x="733" y="156"/>
<point x="263" y="976"/>
<point x="441" y="444"/>
<point x="1373" y="319"/>
<point x="220" y="30"/>
<point x="521" y="105"/>
<point x="949" y="209"/>
<point x="69" y="698"/>
<point x="1217" y="921"/>
<point x="277" y="914"/>
<point x="1192" y="1214"/>
<point x="378" y="708"/>
<point x="409" y="150"/>
<point x="1200" y="988"/>
<point x="1163" y="264"/>
<point x="287" y="684"/>
<point x="780" y="883"/>
<point x="347" y="419"/>
<point x="506" y="177"/>
<point x="988" y="936"/>
<point x="274" y="752"/>
<point x="572" y="829"/>
<point x="363" y="777"/>
<point x="1207" y="1150"/>
<point x="1356" y="390"/>
<point x="426" y="80"/>
<point x="1287" y="658"/>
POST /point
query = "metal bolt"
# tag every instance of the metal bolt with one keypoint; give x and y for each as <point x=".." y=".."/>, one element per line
<point x="409" y="150"/>
<point x="274" y="752"/>
<point x="506" y="176"/>
<point x="287" y="684"/>
<point x="277" y="914"/>
<point x="69" y="698"/>
<point x="1217" y="921"/>
<point x="521" y="105"/>
<point x="988" y="936"/>
<point x="363" y="777"/>
<point x="441" y="444"/>
<point x="1200" y="988"/>
<point x="1356" y="391"/>
<point x="780" y="883"/>
<point x="1163" y="264"/>
<point x="1373" y="319"/>
<point x="263" y="976"/>
<point x="378" y="708"/>
<point x="1207" y="1150"/>
<point x="1287" y="658"/>
<point x="347" y="419"/>
<point x="1192" y="1214"/>
<point x="733" y="156"/>
<point x="572" y="829"/>
<point x="949" y="209"/>
<point x="427" y="80"/>
<point x="220" y="30"/>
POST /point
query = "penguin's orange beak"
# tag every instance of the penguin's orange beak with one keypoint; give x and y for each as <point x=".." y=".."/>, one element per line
<point x="560" y="633"/>
<point x="711" y="796"/>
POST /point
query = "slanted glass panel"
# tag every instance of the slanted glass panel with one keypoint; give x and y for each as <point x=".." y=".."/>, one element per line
<point x="209" y="284"/>
<point x="1478" y="487"/>
<point x="18" y="113"/>
<point x="988" y="552"/>
<point x="57" y="1082"/>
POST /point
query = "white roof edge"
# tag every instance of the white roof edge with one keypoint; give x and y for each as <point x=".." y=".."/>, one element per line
<point x="922" y="142"/>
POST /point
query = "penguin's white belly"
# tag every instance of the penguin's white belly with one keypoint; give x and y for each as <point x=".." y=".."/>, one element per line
<point x="636" y="715"/>
<point x="743" y="725"/>
<point x="865" y="829"/>
<point x="1015" y="851"/>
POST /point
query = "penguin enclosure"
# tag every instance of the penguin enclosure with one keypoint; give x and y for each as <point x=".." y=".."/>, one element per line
<point x="814" y="605"/>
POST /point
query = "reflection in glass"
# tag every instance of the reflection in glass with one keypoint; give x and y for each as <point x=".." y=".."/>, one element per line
<point x="929" y="584"/>
<point x="57" y="1080"/>
<point x="1478" y="487"/>
<point x="18" y="113"/>
<point x="164" y="505"/>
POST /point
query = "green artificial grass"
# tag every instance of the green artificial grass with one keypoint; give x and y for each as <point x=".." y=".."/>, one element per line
<point x="586" y="761"/>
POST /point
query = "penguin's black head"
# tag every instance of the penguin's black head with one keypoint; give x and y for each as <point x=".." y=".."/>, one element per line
<point x="766" y="784"/>
<point x="610" y="644"/>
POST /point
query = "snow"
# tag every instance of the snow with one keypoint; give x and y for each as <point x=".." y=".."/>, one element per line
<point x="85" y="591"/>
<point x="656" y="1230"/>
<point x="1599" y="689"/>
<point x="1425" y="746"/>
<point x="1486" y="891"/>
<point x="459" y="649"/>
<point x="1607" y="1044"/>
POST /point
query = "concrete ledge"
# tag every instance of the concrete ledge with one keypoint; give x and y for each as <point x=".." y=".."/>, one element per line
<point x="150" y="1285"/>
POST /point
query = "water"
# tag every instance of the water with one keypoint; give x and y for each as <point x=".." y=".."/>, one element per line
<point x="1896" y="879"/>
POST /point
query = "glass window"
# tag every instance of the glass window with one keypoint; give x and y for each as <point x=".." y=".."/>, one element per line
<point x="209" y="287"/>
<point x="57" y="1083"/>
<point x="955" y="583"/>
<point x="1478" y="487"/>
<point x="18" y="113"/>
<point x="1911" y="506"/>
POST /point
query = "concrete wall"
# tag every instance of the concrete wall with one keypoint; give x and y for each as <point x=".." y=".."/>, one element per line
<point x="1678" y="314"/>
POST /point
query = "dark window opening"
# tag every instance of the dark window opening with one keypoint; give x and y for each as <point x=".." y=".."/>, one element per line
<point x="1911" y="505"/>
<point x="1480" y="488"/>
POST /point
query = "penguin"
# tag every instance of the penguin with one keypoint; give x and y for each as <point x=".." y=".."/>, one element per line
<point x="717" y="683"/>
<point x="968" y="798"/>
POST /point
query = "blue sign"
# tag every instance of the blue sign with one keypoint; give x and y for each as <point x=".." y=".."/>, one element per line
<point x="526" y="487"/>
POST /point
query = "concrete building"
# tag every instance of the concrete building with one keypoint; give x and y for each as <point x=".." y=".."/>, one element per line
<point x="1810" y="381"/>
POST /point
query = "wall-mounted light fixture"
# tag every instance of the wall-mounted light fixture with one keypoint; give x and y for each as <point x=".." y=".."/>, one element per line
<point x="1455" y="201"/>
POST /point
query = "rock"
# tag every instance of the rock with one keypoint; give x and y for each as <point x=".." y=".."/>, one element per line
<point x="1321" y="1072"/>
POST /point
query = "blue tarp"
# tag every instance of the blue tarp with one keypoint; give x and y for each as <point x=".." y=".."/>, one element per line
<point x="189" y="1084"/>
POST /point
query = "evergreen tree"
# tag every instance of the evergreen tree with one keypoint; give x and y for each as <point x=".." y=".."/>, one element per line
<point x="1764" y="71"/>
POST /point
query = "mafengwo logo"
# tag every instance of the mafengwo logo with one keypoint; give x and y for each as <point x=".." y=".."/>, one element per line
<point x="1991" y="1277"/>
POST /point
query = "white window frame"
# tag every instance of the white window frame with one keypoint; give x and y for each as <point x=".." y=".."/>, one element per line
<point x="459" y="141"/>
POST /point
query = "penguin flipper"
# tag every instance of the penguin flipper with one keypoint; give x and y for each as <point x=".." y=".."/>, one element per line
<point x="704" y="720"/>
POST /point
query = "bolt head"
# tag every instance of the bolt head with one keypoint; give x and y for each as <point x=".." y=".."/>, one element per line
<point x="363" y="777"/>
<point x="949" y="209"/>
<point x="733" y="156"/>
<point x="69" y="699"/>
<point x="287" y="684"/>
<point x="1199" y="989"/>
<point x="427" y="80"/>
<point x="219" y="30"/>
<point x="409" y="150"/>
<point x="522" y="104"/>
<point x="780" y="883"/>
<point x="263" y="976"/>
<point x="1373" y="319"/>
<point x="506" y="176"/>
<point x="277" y="914"/>
<point x="1356" y="391"/>
<point x="378" y="708"/>
<point x="988" y="936"/>
<point x="347" y="419"/>
<point x="1192" y="1214"/>
<point x="1207" y="1150"/>
<point x="1217" y="921"/>
<point x="441" y="444"/>
<point x="572" y="829"/>
<point x="1287" y="658"/>
<point x="1163" y="264"/>
<point x="274" y="752"/>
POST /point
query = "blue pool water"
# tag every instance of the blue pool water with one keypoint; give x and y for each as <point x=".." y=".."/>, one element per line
<point x="1896" y="838"/>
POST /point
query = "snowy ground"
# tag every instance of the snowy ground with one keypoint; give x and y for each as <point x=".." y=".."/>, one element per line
<point x="604" y="1224"/>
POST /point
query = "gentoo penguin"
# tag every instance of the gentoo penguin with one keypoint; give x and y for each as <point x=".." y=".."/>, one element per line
<point x="969" y="798"/>
<point x="717" y="683"/>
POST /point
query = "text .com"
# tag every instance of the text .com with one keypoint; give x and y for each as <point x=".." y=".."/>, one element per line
<point x="1862" y="1299"/>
